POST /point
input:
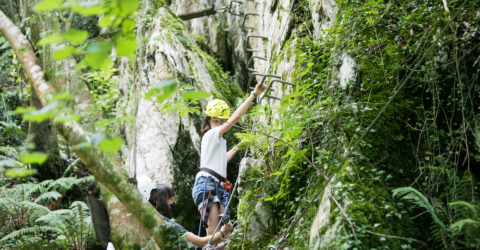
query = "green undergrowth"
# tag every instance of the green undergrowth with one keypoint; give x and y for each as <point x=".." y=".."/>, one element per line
<point x="413" y="51"/>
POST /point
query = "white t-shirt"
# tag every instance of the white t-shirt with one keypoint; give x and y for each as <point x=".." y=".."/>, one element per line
<point x="214" y="152"/>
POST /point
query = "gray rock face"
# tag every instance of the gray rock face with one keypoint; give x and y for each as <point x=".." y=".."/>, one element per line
<point x="151" y="138"/>
<point x="245" y="165"/>
<point x="321" y="219"/>
<point x="261" y="31"/>
<point x="255" y="35"/>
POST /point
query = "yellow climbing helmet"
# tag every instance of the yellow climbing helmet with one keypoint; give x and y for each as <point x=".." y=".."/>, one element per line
<point x="217" y="108"/>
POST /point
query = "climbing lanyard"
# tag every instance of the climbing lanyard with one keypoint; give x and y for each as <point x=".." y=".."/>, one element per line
<point x="225" y="217"/>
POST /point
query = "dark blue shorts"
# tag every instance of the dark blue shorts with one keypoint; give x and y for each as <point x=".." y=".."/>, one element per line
<point x="199" y="187"/>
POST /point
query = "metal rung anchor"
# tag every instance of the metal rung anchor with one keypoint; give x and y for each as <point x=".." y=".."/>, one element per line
<point x="206" y="12"/>
<point x="269" y="96"/>
<point x="230" y="8"/>
<point x="258" y="57"/>
<point x="263" y="78"/>
<point x="245" y="19"/>
<point x="254" y="36"/>
<point x="283" y="81"/>
<point x="269" y="87"/>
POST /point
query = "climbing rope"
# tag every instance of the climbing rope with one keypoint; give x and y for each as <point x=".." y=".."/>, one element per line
<point x="228" y="202"/>
<point x="203" y="206"/>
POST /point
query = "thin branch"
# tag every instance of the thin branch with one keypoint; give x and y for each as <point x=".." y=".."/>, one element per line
<point x="344" y="215"/>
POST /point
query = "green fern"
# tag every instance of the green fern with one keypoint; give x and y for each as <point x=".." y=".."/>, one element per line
<point x="412" y="195"/>
<point x="9" y="152"/>
<point x="25" y="205"/>
<point x="55" y="218"/>
<point x="47" y="196"/>
<point x="466" y="205"/>
<point x="459" y="225"/>
<point x="64" y="184"/>
<point x="34" y="230"/>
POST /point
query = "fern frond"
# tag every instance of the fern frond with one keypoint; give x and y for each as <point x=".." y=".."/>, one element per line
<point x="80" y="204"/>
<point x="55" y="218"/>
<point x="412" y="195"/>
<point x="6" y="202"/>
<point x="46" y="183"/>
<point x="9" y="152"/>
<point x="48" y="195"/>
<point x="458" y="226"/>
<point x="9" y="162"/>
<point x="33" y="206"/>
<point x="82" y="212"/>
<point x="27" y="231"/>
<point x="27" y="189"/>
<point x="65" y="183"/>
<point x="467" y="205"/>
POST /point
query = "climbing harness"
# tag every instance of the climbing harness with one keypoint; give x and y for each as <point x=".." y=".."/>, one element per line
<point x="207" y="203"/>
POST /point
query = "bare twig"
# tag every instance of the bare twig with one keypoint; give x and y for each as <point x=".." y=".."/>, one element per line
<point x="344" y="215"/>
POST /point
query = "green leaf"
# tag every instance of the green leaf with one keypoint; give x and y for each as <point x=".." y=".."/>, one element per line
<point x="33" y="158"/>
<point x="163" y="90"/>
<point x="75" y="36"/>
<point x="268" y="199"/>
<point x="30" y="114"/>
<point x="48" y="5"/>
<point x="64" y="96"/>
<point x="276" y="173"/>
<point x="128" y="25"/>
<point x="195" y="95"/>
<point x="111" y="144"/>
<point x="413" y="195"/>
<point x="106" y="20"/>
<point x="126" y="47"/>
<point x="89" y="11"/>
<point x="63" y="53"/>
<point x="96" y="55"/>
<point x="19" y="172"/>
<point x="55" y="38"/>
<point x="128" y="7"/>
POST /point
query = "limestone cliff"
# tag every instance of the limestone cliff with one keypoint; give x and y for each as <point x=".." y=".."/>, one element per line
<point x="327" y="151"/>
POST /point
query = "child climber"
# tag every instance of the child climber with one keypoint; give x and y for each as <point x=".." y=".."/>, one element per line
<point x="209" y="188"/>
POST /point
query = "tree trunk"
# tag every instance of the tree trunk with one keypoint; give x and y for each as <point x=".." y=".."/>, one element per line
<point x="99" y="164"/>
<point x="45" y="140"/>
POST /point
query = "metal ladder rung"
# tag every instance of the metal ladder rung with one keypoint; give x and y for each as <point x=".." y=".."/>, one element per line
<point x="269" y="96"/>
<point x="264" y="76"/>
<point x="253" y="57"/>
<point x="253" y="36"/>
<point x="283" y="81"/>
<point x="245" y="19"/>
<point x="230" y="8"/>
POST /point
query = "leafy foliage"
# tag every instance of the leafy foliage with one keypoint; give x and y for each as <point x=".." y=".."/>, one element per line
<point x="32" y="218"/>
<point x="414" y="196"/>
<point x="420" y="135"/>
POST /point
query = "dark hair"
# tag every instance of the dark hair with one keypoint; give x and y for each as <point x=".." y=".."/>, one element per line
<point x="159" y="199"/>
<point x="206" y="124"/>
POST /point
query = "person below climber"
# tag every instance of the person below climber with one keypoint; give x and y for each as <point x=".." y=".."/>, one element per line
<point x="208" y="189"/>
<point x="161" y="197"/>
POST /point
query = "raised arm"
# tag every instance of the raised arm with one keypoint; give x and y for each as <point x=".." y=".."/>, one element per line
<point x="241" y="110"/>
